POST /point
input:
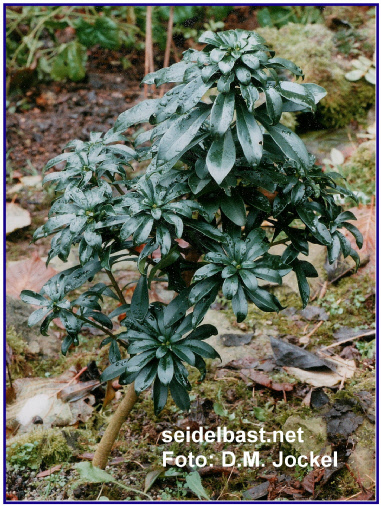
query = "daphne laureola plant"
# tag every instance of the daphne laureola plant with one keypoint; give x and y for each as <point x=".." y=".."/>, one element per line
<point x="218" y="169"/>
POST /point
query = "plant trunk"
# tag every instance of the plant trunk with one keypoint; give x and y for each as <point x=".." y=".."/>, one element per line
<point x="120" y="416"/>
<point x="104" y="447"/>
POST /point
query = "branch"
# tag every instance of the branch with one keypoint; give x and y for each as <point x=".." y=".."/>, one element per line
<point x="93" y="324"/>
<point x="116" y="286"/>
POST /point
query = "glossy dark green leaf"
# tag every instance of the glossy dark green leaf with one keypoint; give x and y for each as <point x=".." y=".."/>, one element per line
<point x="140" y="113"/>
<point x="334" y="249"/>
<point x="250" y="94"/>
<point x="222" y="113"/>
<point x="140" y="299"/>
<point x="274" y="105"/>
<point x="160" y="395"/>
<point x="180" y="395"/>
<point x="249" y="135"/>
<point x="201" y="348"/>
<point x="181" y="133"/>
<point x="221" y="156"/>
<point x="114" y="370"/>
<point x="355" y="232"/>
<point x="287" y="64"/>
<point x="304" y="287"/>
<point x="177" y="308"/>
<point x="234" y="208"/>
<point x="297" y="93"/>
<point x="203" y="332"/>
<point x="38" y="315"/>
<point x="31" y="297"/>
<point x="224" y="83"/>
<point x="289" y="143"/>
<point x="239" y="304"/>
<point x="206" y="229"/>
<point x="226" y="64"/>
<point x="145" y="377"/>
<point x="184" y="353"/>
<point x="265" y="301"/>
<point x="230" y="286"/>
<point x="243" y="74"/>
<point x="297" y="193"/>
<point x="251" y="61"/>
<point x="165" y="369"/>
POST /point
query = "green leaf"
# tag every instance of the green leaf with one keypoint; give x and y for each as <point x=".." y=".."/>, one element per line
<point x="250" y="94"/>
<point x="160" y="395"/>
<point x="304" y="287"/>
<point x="140" y="113"/>
<point x="251" y="61"/>
<point x="165" y="369"/>
<point x="66" y="343"/>
<point x="297" y="193"/>
<point x="289" y="143"/>
<point x="249" y="279"/>
<point x="192" y="93"/>
<point x="177" y="308"/>
<point x="36" y="316"/>
<point x="70" y="63"/>
<point x="140" y="300"/>
<point x="203" y="332"/>
<point x="221" y="157"/>
<point x="230" y="287"/>
<point x="114" y="370"/>
<point x="200" y="348"/>
<point x="226" y="64"/>
<point x="180" y="395"/>
<point x="334" y="249"/>
<point x="193" y="481"/>
<point x="287" y="64"/>
<point x="239" y="303"/>
<point x="31" y="297"/>
<point x="104" y="32"/>
<point x="224" y="82"/>
<point x="184" y="353"/>
<point x="243" y="74"/>
<point x="181" y="133"/>
<point x="206" y="271"/>
<point x="355" y="232"/>
<point x="265" y="301"/>
<point x="206" y="229"/>
<point x="249" y="135"/>
<point x="222" y="113"/>
<point x="297" y="93"/>
<point x="274" y="105"/>
<point x="234" y="208"/>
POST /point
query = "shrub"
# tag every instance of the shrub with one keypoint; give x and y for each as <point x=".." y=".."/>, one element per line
<point x="217" y="171"/>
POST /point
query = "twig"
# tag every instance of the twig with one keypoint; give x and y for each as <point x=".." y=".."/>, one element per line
<point x="371" y="333"/>
<point x="366" y="235"/>
<point x="174" y="49"/>
<point x="168" y="45"/>
<point x="148" y="62"/>
<point x="116" y="286"/>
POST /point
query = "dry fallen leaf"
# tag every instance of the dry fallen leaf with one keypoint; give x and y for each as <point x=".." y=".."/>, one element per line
<point x="16" y="218"/>
<point x="29" y="274"/>
<point x="345" y="370"/>
<point x="37" y="397"/>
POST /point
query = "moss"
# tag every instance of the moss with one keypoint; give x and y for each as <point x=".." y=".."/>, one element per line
<point x="312" y="47"/>
<point x="38" y="448"/>
<point x="360" y="169"/>
<point x="354" y="15"/>
<point x="289" y="120"/>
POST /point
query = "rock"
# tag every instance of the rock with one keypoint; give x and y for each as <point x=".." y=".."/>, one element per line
<point x="314" y="313"/>
<point x="258" y="347"/>
<point x="362" y="459"/>
<point x="17" y="317"/>
<point x="236" y="339"/>
<point x="347" y="333"/>
<point x="314" y="434"/>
